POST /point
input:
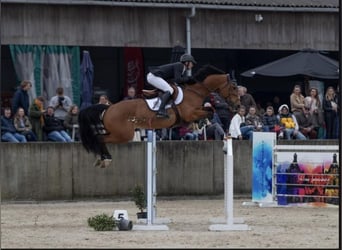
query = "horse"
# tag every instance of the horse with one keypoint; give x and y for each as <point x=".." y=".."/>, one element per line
<point x="116" y="123"/>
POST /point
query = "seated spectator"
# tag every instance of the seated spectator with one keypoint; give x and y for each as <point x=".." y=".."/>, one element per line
<point x="54" y="127"/>
<point x="271" y="122"/>
<point x="23" y="125"/>
<point x="71" y="122"/>
<point x="8" y="130"/>
<point x="238" y="129"/>
<point x="189" y="132"/>
<point x="254" y="120"/>
<point x="212" y="128"/>
<point x="103" y="99"/>
<point x="213" y="125"/>
<point x="131" y="94"/>
<point x="37" y="117"/>
<point x="306" y="123"/>
<point x="289" y="122"/>
<point x="221" y="107"/>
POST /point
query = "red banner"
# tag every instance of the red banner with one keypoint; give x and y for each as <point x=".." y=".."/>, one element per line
<point x="134" y="69"/>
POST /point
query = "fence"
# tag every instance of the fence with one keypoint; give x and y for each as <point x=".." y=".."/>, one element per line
<point x="64" y="171"/>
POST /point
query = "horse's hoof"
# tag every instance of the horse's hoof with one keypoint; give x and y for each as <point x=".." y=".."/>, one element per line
<point x="97" y="163"/>
<point x="106" y="163"/>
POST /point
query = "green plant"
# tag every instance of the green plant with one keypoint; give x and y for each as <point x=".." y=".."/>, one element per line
<point x="102" y="222"/>
<point x="139" y="197"/>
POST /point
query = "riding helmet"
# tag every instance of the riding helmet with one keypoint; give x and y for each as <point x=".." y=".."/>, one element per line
<point x="187" y="58"/>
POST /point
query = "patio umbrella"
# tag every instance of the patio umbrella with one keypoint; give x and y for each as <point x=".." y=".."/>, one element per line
<point x="307" y="62"/>
<point x="87" y="77"/>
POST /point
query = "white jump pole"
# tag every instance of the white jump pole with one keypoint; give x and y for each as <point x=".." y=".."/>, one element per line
<point x="228" y="195"/>
<point x="151" y="186"/>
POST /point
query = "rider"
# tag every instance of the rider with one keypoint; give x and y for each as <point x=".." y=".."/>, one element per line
<point x="176" y="72"/>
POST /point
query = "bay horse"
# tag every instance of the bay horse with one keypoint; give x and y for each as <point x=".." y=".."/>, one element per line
<point x="100" y="124"/>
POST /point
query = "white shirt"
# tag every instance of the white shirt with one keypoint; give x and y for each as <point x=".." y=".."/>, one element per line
<point x="234" y="127"/>
<point x="60" y="112"/>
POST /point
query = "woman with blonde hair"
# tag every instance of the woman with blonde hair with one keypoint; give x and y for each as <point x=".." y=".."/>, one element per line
<point x="313" y="102"/>
<point x="23" y="125"/>
<point x="36" y="116"/>
<point x="330" y="107"/>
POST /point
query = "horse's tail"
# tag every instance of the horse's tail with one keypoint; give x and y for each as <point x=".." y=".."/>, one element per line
<point x="89" y="120"/>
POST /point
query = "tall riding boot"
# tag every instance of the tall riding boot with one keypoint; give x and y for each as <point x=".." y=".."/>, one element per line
<point x="164" y="99"/>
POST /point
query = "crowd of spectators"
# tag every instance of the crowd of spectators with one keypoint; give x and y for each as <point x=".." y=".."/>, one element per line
<point x="306" y="117"/>
<point x="42" y="120"/>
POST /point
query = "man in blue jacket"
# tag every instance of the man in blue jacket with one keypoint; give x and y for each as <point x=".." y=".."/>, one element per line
<point x="21" y="97"/>
<point x="8" y="131"/>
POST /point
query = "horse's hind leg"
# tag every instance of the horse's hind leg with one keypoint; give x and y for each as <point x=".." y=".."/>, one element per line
<point x="106" y="157"/>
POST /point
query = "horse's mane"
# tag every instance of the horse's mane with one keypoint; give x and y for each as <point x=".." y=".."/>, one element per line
<point x="205" y="71"/>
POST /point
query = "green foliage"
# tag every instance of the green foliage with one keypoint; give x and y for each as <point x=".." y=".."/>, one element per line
<point x="102" y="222"/>
<point x="139" y="197"/>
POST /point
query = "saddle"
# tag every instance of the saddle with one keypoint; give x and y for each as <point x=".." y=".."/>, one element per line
<point x="152" y="93"/>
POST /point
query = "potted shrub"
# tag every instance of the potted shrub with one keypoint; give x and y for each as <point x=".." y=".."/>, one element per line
<point x="139" y="199"/>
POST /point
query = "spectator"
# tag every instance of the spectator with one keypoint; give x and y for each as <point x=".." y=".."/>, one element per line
<point x="71" y="122"/>
<point x="213" y="127"/>
<point x="276" y="102"/>
<point x="37" y="117"/>
<point x="189" y="132"/>
<point x="246" y="99"/>
<point x="54" y="127"/>
<point x="297" y="100"/>
<point x="238" y="128"/>
<point x="289" y="122"/>
<point x="337" y="131"/>
<point x="260" y="111"/>
<point x="330" y="107"/>
<point x="21" y="98"/>
<point x="316" y="110"/>
<point x="306" y="124"/>
<point x="131" y="94"/>
<point x="8" y="130"/>
<point x="61" y="104"/>
<point x="254" y="120"/>
<point x="103" y="99"/>
<point x="23" y="125"/>
<point x="222" y="109"/>
<point x="271" y="122"/>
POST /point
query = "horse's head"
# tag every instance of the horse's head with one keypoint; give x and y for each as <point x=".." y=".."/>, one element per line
<point x="226" y="88"/>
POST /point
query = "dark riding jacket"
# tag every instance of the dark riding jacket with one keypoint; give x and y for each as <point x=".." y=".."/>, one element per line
<point x="21" y="100"/>
<point x="172" y="72"/>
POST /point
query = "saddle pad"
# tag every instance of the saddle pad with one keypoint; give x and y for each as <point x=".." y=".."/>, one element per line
<point x="154" y="103"/>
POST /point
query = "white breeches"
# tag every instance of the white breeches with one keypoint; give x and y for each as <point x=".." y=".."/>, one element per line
<point x="159" y="83"/>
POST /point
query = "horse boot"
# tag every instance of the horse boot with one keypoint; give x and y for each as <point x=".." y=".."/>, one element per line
<point x="164" y="99"/>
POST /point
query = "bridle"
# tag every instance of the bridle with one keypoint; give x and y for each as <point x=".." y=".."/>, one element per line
<point x="218" y="89"/>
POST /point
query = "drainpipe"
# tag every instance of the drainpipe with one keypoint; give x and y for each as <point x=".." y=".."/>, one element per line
<point x="188" y="33"/>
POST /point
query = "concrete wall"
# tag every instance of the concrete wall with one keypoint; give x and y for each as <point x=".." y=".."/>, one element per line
<point x="166" y="27"/>
<point x="64" y="171"/>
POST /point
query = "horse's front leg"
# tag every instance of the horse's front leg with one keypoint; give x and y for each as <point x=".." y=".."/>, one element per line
<point x="200" y="114"/>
